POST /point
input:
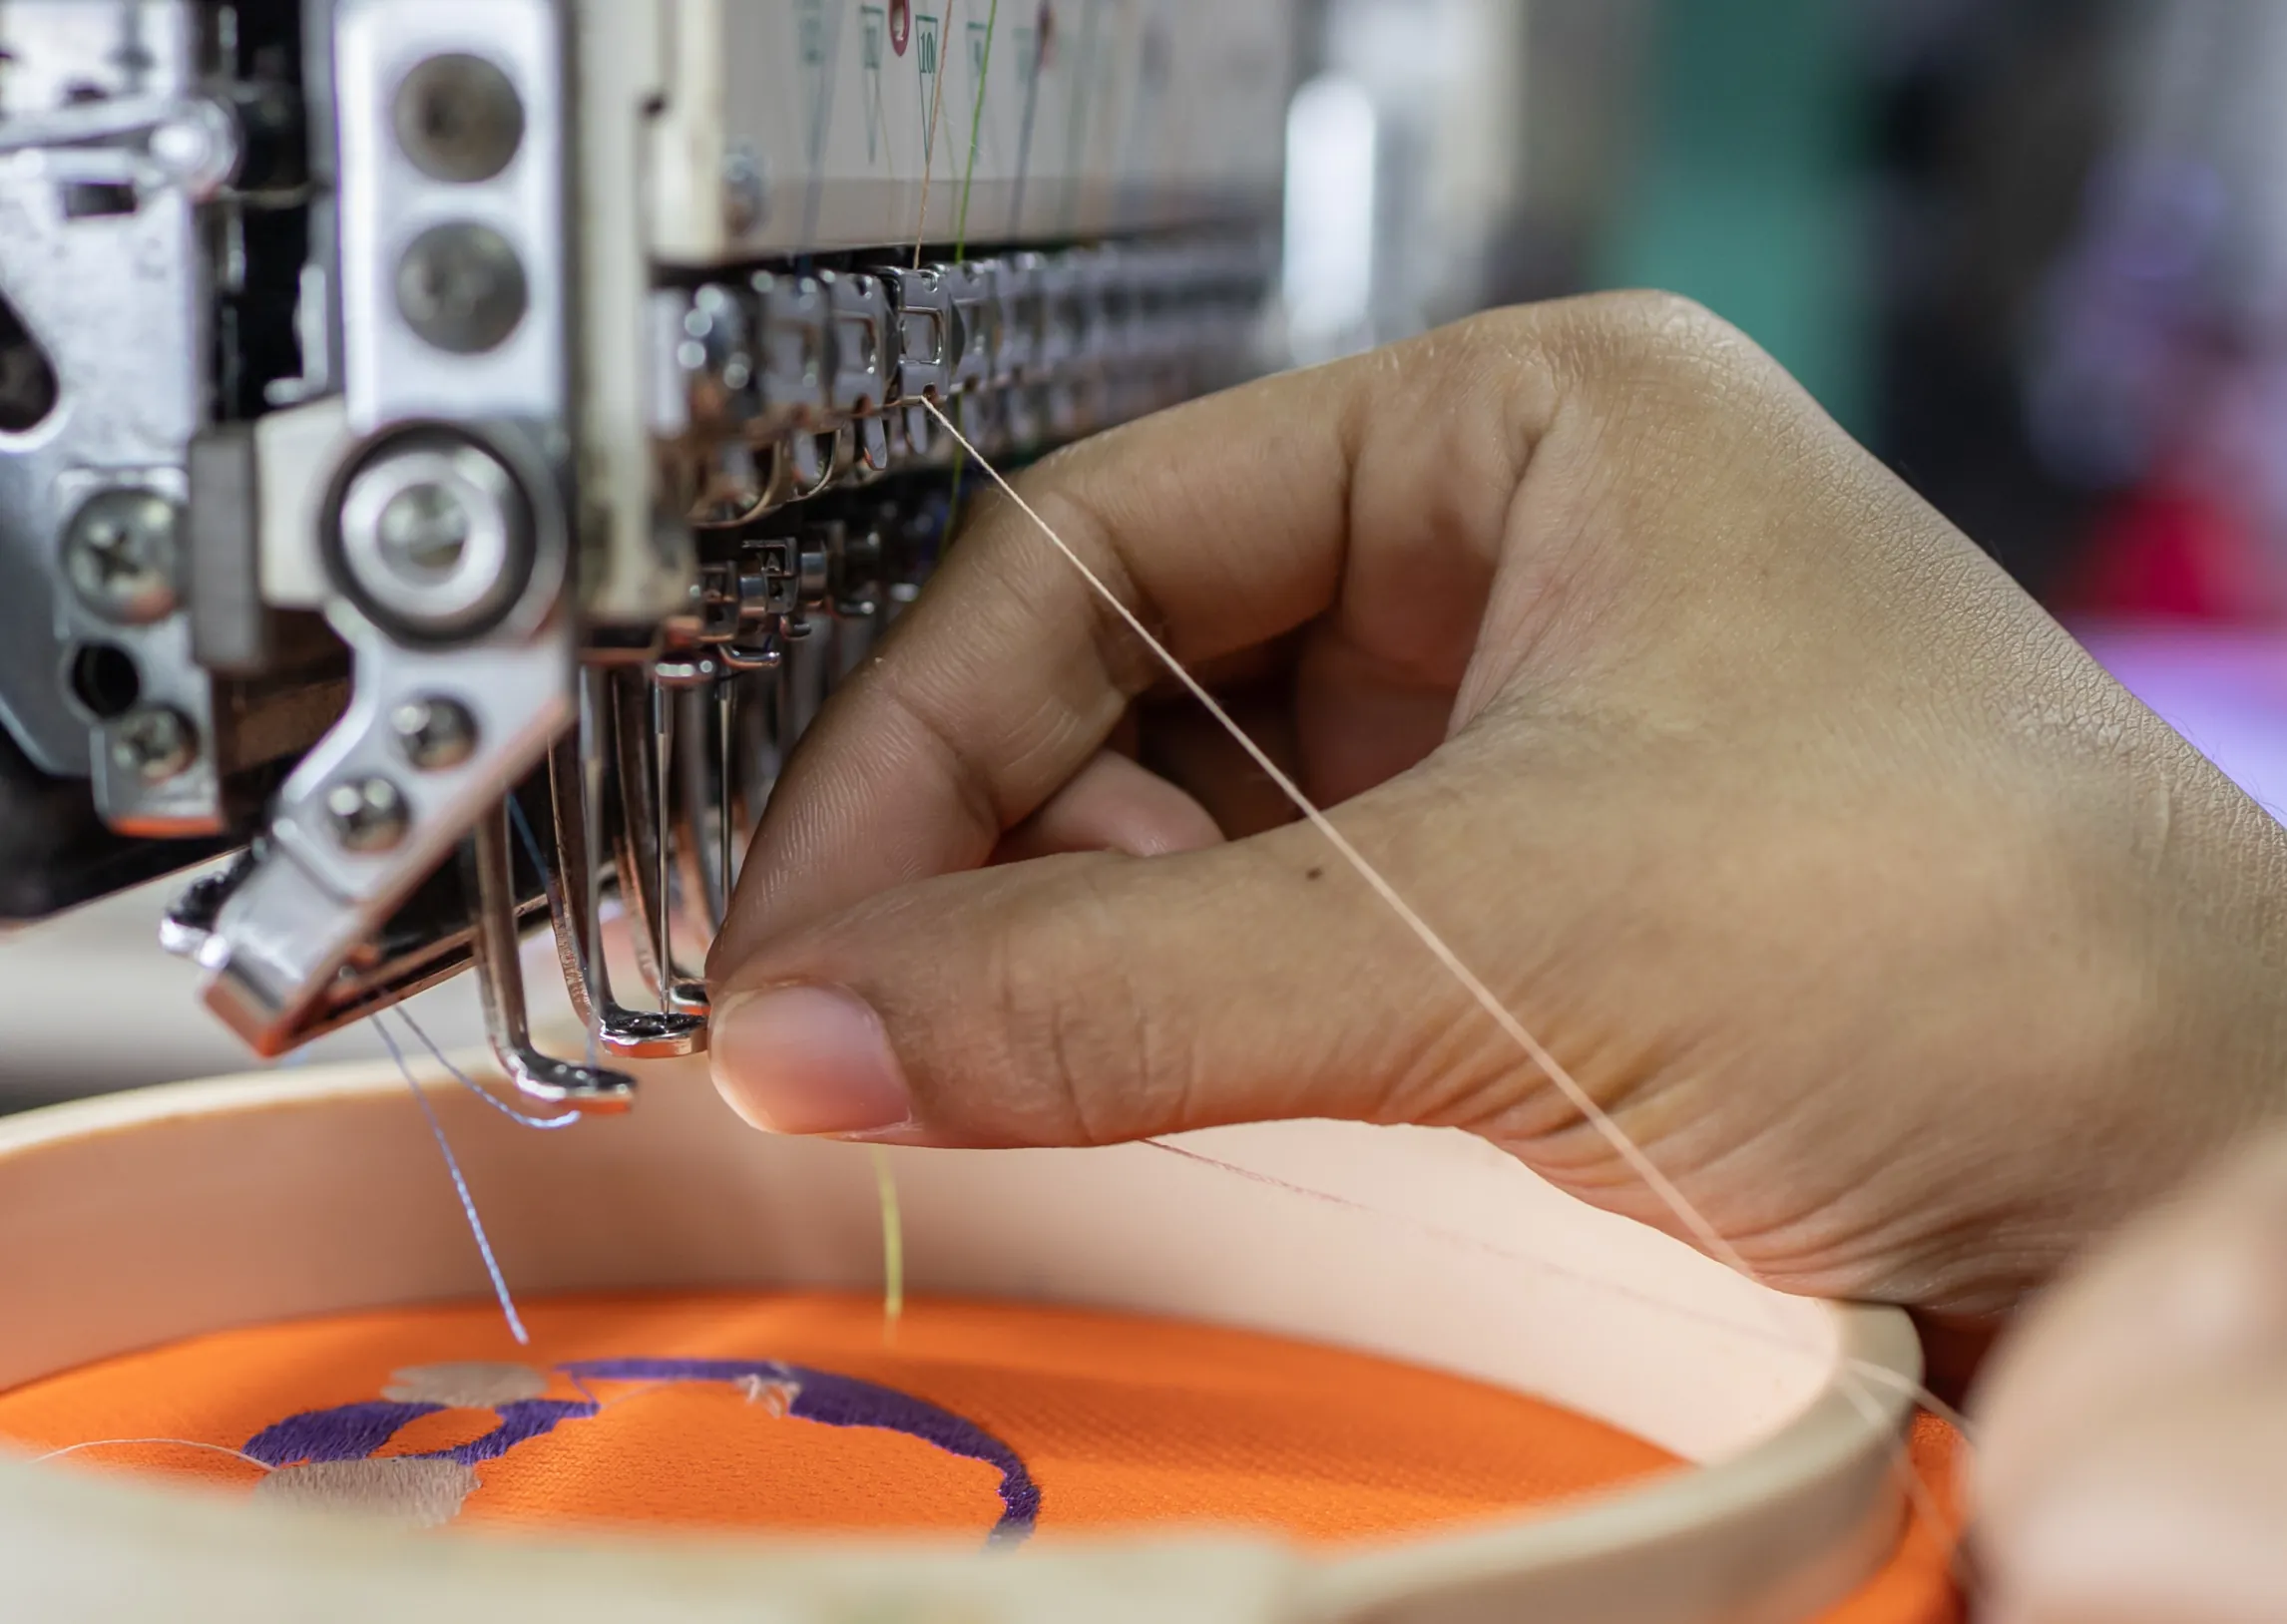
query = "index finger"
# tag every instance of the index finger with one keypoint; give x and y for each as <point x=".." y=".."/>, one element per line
<point x="1379" y="480"/>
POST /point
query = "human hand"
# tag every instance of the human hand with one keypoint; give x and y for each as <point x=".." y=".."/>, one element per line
<point x="2134" y="1467"/>
<point x="1907" y="943"/>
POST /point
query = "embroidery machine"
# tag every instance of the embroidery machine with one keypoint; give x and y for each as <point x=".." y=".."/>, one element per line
<point x="448" y="447"/>
<point x="447" y="450"/>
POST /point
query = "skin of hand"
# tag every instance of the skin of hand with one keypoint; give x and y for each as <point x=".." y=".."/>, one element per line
<point x="2133" y="1458"/>
<point x="1908" y="945"/>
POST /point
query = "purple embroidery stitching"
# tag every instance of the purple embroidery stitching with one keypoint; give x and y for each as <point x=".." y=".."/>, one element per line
<point x="355" y="1431"/>
<point x="349" y="1432"/>
<point x="843" y="1401"/>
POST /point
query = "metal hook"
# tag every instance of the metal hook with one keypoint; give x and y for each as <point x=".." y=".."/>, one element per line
<point x="641" y="851"/>
<point x="575" y="775"/>
<point x="500" y="985"/>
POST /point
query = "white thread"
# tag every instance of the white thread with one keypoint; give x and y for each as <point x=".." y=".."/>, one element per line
<point x="178" y="1442"/>
<point x="461" y="1185"/>
<point x="470" y="1084"/>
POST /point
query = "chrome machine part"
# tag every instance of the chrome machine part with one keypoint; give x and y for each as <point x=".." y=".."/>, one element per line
<point x="449" y="530"/>
<point x="499" y="986"/>
<point x="435" y="539"/>
<point x="419" y="417"/>
<point x="108" y="156"/>
<point x="576" y="780"/>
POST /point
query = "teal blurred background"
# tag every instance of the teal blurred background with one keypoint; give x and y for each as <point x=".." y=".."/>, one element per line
<point x="2032" y="251"/>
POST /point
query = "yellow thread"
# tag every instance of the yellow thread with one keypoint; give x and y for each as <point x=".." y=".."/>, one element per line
<point x="892" y="1245"/>
<point x="929" y="141"/>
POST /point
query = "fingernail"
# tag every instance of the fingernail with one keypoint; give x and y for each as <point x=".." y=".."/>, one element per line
<point x="808" y="1060"/>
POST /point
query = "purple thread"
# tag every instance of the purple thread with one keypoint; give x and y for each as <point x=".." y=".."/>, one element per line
<point x="843" y="1401"/>
<point x="346" y="1432"/>
<point x="521" y="1420"/>
<point x="357" y="1432"/>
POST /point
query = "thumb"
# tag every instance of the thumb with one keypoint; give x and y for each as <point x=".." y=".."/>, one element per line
<point x="1086" y="999"/>
<point x="2171" y="1510"/>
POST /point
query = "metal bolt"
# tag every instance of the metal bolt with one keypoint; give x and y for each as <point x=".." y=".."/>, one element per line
<point x="434" y="732"/>
<point x="461" y="288"/>
<point x="369" y="814"/>
<point x="199" y="147"/>
<point x="425" y="530"/>
<point x="153" y="744"/>
<point x="433" y="534"/>
<point x="458" y="117"/>
<point x="120" y="552"/>
<point x="744" y="198"/>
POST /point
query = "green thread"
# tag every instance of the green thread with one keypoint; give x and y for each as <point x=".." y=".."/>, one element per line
<point x="953" y="490"/>
<point x="961" y="230"/>
<point x="976" y="132"/>
<point x="892" y="1245"/>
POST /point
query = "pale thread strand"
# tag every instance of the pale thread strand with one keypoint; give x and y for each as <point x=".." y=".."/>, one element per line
<point x="461" y="1188"/>
<point x="929" y="141"/>
<point x="176" y="1442"/>
<point x="564" y="1119"/>
<point x="1704" y="1233"/>
<point x="1766" y="1334"/>
<point x="1662" y="1188"/>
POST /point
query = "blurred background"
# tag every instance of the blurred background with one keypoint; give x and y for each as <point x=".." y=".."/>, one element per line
<point x="2032" y="251"/>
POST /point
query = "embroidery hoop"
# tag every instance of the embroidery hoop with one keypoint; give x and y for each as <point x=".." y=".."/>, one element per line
<point x="204" y="1205"/>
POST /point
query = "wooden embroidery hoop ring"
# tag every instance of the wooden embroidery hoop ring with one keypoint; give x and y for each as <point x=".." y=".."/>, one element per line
<point x="139" y="1218"/>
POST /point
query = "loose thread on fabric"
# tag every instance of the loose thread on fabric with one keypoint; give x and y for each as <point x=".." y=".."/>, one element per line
<point x="461" y="1187"/>
<point x="1600" y="1121"/>
<point x="175" y="1442"/>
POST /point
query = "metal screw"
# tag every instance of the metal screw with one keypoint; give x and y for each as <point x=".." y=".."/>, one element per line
<point x="369" y="814"/>
<point x="434" y="732"/>
<point x="458" y="117"/>
<point x="120" y="552"/>
<point x="433" y="536"/>
<point x="200" y="148"/>
<point x="424" y="532"/>
<point x="461" y="288"/>
<point x="744" y="198"/>
<point x="153" y="744"/>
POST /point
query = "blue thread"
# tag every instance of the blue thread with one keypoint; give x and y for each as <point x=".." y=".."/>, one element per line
<point x="475" y="1087"/>
<point x="540" y="867"/>
<point x="468" y="1201"/>
<point x="529" y="841"/>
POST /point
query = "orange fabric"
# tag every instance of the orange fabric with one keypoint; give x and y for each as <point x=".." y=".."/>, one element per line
<point x="1917" y="1586"/>
<point x="1120" y="1421"/>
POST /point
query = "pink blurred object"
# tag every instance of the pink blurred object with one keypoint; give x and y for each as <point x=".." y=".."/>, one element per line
<point x="2174" y="553"/>
<point x="2223" y="687"/>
